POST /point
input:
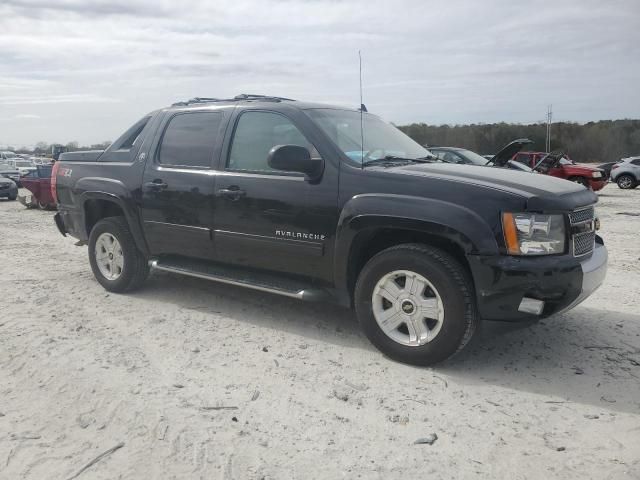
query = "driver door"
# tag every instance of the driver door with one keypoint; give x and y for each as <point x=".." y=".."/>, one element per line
<point x="271" y="219"/>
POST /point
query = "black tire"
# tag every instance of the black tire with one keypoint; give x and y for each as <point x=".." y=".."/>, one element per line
<point x="135" y="268"/>
<point x="12" y="197"/>
<point x="626" y="182"/>
<point x="581" y="180"/>
<point x="452" y="282"/>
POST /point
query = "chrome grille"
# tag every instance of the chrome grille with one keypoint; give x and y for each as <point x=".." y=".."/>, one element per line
<point x="580" y="216"/>
<point x="583" y="241"/>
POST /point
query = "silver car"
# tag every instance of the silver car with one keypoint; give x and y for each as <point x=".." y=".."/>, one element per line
<point x="626" y="173"/>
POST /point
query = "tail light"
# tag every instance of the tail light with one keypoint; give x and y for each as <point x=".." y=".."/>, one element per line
<point x="54" y="181"/>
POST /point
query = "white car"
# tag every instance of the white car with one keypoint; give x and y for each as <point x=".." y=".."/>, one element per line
<point x="4" y="156"/>
<point x="626" y="173"/>
<point x="22" y="165"/>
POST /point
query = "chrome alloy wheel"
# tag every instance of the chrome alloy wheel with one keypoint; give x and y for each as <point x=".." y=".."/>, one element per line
<point x="625" y="182"/>
<point x="109" y="256"/>
<point x="408" y="308"/>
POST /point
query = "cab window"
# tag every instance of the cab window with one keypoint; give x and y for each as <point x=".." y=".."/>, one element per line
<point x="190" y="139"/>
<point x="258" y="132"/>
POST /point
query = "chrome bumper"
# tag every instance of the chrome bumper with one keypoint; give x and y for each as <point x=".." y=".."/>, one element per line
<point x="594" y="270"/>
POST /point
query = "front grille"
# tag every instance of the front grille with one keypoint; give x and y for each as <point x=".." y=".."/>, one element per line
<point x="4" y="186"/>
<point x="580" y="216"/>
<point x="583" y="236"/>
<point x="583" y="243"/>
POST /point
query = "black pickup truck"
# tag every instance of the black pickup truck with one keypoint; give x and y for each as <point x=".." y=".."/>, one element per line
<point x="326" y="203"/>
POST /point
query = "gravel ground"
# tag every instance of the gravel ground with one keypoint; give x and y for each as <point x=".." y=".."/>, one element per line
<point x="192" y="379"/>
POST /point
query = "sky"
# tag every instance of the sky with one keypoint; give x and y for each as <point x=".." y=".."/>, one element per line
<point x="85" y="71"/>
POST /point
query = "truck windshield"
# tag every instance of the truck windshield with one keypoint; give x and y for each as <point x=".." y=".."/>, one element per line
<point x="381" y="139"/>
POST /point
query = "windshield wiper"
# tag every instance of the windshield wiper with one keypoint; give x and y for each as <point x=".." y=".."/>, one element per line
<point x="393" y="158"/>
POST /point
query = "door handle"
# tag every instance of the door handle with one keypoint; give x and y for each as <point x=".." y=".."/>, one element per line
<point x="156" y="185"/>
<point x="232" y="193"/>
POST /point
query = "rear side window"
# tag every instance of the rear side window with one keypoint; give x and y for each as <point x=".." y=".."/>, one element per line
<point x="522" y="158"/>
<point x="190" y="139"/>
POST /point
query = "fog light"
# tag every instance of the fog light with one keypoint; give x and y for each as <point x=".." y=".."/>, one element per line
<point x="531" y="305"/>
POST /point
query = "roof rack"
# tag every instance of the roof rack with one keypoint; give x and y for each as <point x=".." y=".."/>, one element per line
<point x="250" y="96"/>
<point x="242" y="96"/>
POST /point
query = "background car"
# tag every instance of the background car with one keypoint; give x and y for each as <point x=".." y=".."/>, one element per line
<point x="38" y="182"/>
<point x="9" y="172"/>
<point x="558" y="164"/>
<point x="502" y="159"/>
<point x="626" y="173"/>
<point x="606" y="167"/>
<point x="6" y="155"/>
<point x="8" y="189"/>
<point x="22" y="165"/>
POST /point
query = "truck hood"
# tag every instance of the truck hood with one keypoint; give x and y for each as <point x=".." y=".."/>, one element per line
<point x="586" y="169"/>
<point x="542" y="193"/>
<point x="501" y="158"/>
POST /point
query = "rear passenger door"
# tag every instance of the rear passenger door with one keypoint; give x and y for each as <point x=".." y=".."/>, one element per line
<point x="178" y="184"/>
<point x="271" y="219"/>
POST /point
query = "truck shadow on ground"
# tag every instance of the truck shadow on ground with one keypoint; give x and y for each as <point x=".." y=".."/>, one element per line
<point x="586" y="355"/>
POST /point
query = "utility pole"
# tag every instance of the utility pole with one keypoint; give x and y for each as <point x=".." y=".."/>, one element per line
<point x="549" y="116"/>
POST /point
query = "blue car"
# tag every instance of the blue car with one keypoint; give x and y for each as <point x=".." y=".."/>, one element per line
<point x="8" y="188"/>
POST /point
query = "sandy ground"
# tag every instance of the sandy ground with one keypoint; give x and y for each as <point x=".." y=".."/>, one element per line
<point x="194" y="379"/>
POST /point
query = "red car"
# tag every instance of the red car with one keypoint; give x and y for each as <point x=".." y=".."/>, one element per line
<point x="557" y="164"/>
<point x="38" y="182"/>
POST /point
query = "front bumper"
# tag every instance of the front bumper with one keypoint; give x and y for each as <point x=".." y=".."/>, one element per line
<point x="561" y="282"/>
<point x="598" y="184"/>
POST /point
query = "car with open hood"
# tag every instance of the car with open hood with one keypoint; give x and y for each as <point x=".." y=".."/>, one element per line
<point x="331" y="204"/>
<point x="558" y="164"/>
<point x="502" y="159"/>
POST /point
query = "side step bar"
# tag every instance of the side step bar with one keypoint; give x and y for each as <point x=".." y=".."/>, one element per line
<point x="241" y="278"/>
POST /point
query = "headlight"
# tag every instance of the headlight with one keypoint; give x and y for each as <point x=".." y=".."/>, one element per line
<point x="596" y="174"/>
<point x="533" y="233"/>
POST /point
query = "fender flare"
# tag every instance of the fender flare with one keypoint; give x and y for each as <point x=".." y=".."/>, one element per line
<point x="452" y="222"/>
<point x="93" y="188"/>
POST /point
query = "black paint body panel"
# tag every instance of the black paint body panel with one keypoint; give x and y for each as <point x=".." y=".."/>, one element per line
<point x="286" y="224"/>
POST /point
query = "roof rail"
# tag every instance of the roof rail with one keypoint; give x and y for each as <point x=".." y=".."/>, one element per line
<point x="251" y="96"/>
<point x="242" y="96"/>
<point x="195" y="100"/>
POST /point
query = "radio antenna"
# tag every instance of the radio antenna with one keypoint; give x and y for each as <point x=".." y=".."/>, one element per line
<point x="362" y="110"/>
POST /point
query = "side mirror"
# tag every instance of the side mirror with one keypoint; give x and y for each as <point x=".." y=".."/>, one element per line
<point x="294" y="158"/>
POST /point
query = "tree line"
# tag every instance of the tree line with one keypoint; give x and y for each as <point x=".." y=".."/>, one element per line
<point x="602" y="141"/>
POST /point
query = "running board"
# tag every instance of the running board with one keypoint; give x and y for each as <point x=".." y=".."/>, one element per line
<point x="263" y="282"/>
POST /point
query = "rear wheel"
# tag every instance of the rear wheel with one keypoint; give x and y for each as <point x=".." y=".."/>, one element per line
<point x="116" y="262"/>
<point x="416" y="304"/>
<point x="626" y="182"/>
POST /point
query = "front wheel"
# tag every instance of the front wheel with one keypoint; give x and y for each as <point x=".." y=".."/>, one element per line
<point x="626" y="182"/>
<point x="416" y="304"/>
<point x="116" y="262"/>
